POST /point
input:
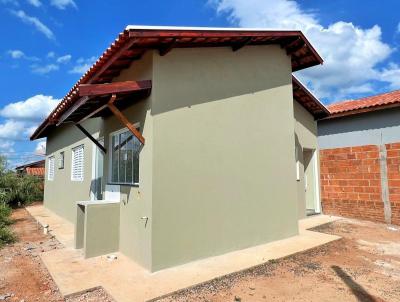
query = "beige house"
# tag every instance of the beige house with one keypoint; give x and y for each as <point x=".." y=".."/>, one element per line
<point x="184" y="143"/>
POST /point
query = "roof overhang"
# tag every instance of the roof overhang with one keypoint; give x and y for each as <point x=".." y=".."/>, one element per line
<point x="134" y="41"/>
<point x="307" y="99"/>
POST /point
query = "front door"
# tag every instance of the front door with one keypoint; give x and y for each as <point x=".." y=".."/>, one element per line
<point x="97" y="179"/>
<point x="310" y="181"/>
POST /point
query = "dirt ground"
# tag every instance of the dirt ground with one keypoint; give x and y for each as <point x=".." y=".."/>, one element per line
<point x="362" y="266"/>
<point x="23" y="276"/>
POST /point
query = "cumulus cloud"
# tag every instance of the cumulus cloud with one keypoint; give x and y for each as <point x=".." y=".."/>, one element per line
<point x="351" y="54"/>
<point x="39" y="69"/>
<point x="41" y="148"/>
<point x="82" y="65"/>
<point x="6" y="146"/>
<point x="34" y="108"/>
<point x="64" y="59"/>
<point x="12" y="130"/>
<point x="63" y="4"/>
<point x="35" y="22"/>
<point x="35" y="3"/>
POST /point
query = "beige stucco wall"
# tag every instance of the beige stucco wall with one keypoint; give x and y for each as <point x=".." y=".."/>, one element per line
<point x="135" y="236"/>
<point x="305" y="137"/>
<point x="61" y="194"/>
<point x="224" y="168"/>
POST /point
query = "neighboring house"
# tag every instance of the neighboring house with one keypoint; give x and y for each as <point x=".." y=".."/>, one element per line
<point x="35" y="168"/>
<point x="181" y="143"/>
<point x="360" y="158"/>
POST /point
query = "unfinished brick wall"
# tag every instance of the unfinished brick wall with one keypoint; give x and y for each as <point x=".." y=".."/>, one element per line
<point x="393" y="175"/>
<point x="351" y="183"/>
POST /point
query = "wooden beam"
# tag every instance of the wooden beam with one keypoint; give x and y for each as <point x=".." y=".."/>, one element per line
<point x="72" y="109"/>
<point x="167" y="48"/>
<point x="118" y="114"/>
<point x="292" y="50"/>
<point x="84" y="131"/>
<point x="113" y="88"/>
<point x="239" y="45"/>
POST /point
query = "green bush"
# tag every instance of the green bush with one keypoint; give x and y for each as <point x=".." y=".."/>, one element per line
<point x="18" y="189"/>
<point x="6" y="235"/>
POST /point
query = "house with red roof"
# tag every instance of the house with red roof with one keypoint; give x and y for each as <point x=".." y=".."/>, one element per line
<point x="184" y="143"/>
<point x="360" y="158"/>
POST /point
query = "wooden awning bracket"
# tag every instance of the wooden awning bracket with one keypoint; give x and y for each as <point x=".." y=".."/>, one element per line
<point x="119" y="115"/>
<point x="84" y="131"/>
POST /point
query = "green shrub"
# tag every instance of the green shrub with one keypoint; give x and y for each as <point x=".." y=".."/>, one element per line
<point x="5" y="212"/>
<point x="6" y="235"/>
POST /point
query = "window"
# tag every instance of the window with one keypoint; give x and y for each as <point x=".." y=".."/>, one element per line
<point x="77" y="164"/>
<point x="124" y="161"/>
<point x="50" y="171"/>
<point x="61" y="160"/>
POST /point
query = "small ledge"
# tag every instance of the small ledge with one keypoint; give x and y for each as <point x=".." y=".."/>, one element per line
<point x="95" y="202"/>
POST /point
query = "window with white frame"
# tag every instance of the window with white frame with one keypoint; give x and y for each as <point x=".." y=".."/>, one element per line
<point x="124" y="157"/>
<point x="61" y="160"/>
<point x="77" y="163"/>
<point x="50" y="168"/>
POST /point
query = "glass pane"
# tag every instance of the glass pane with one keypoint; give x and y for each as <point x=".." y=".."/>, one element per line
<point x="114" y="158"/>
<point x="136" y="150"/>
<point x="122" y="157"/>
<point x="129" y="162"/>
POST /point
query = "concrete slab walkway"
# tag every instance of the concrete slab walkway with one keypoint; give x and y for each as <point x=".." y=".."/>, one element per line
<point x="125" y="280"/>
<point x="62" y="229"/>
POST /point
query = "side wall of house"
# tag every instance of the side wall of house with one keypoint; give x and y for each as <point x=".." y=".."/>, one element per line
<point x="61" y="194"/>
<point x="224" y="166"/>
<point x="360" y="165"/>
<point x="305" y="138"/>
<point x="135" y="233"/>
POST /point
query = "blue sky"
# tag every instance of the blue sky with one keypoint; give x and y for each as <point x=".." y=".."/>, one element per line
<point x="48" y="44"/>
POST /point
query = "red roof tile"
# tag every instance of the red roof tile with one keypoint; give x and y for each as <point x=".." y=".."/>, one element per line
<point x="366" y="104"/>
<point x="134" y="41"/>
<point x="35" y="171"/>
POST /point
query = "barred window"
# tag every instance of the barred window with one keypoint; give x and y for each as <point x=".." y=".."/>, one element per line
<point x="125" y="148"/>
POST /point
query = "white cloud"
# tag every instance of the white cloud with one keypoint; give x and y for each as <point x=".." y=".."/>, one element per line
<point x="51" y="54"/>
<point x="34" y="22"/>
<point x="63" y="4"/>
<point x="34" y="108"/>
<point x="64" y="59"/>
<point x="35" y="3"/>
<point x="82" y="65"/>
<point x="41" y="148"/>
<point x="351" y="53"/>
<point x="44" y="69"/>
<point x="13" y="130"/>
<point x="19" y="54"/>
<point x="16" y="54"/>
<point x="6" y="146"/>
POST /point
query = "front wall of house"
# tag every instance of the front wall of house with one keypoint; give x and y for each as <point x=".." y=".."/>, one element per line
<point x="135" y="234"/>
<point x="224" y="167"/>
<point x="305" y="137"/>
<point x="61" y="194"/>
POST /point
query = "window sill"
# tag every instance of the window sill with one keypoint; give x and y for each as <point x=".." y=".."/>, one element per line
<point x="124" y="184"/>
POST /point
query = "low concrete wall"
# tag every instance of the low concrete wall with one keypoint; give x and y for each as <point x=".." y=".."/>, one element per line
<point x="97" y="228"/>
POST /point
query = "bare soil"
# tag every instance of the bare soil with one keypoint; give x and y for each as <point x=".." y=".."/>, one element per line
<point x="362" y="266"/>
<point x="23" y="276"/>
